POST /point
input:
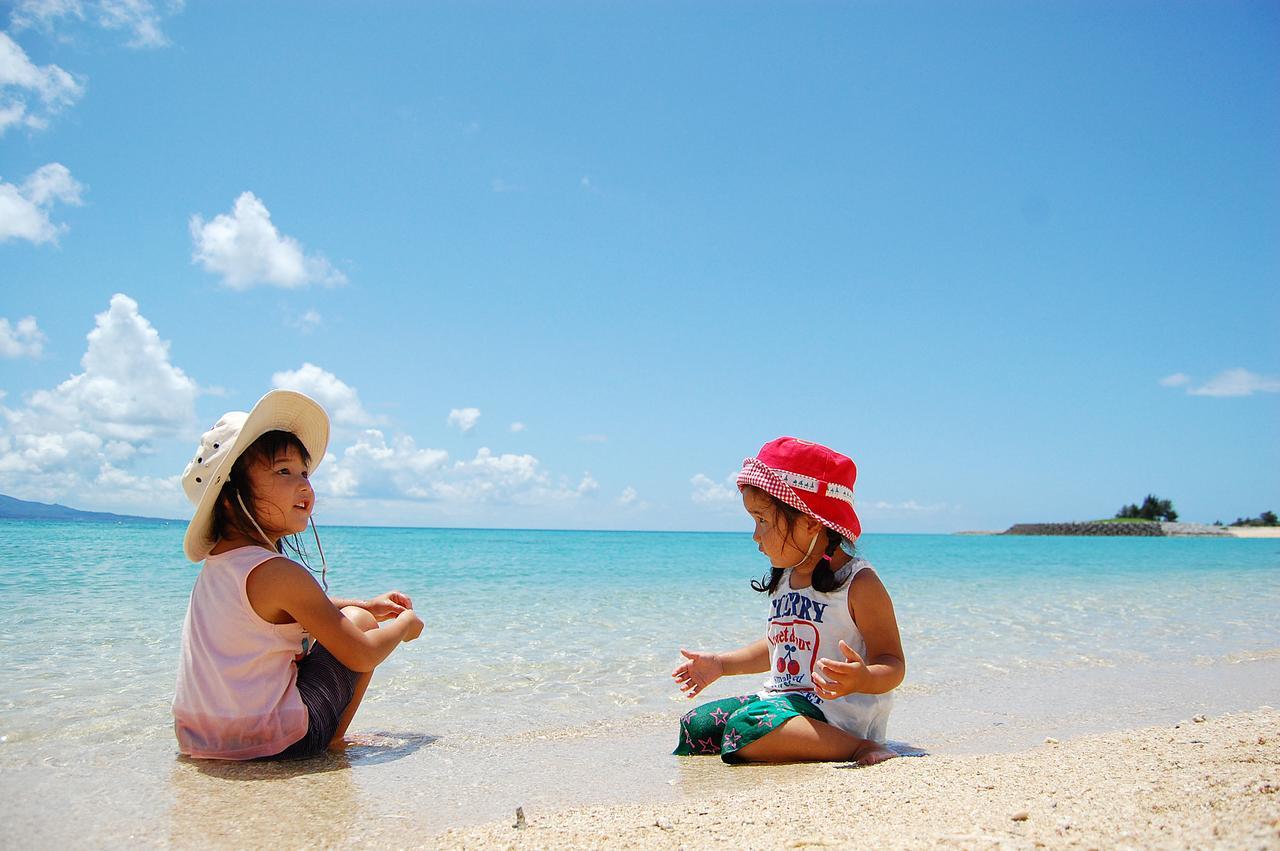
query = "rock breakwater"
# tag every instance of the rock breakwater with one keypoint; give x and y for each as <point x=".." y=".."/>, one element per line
<point x="1147" y="530"/>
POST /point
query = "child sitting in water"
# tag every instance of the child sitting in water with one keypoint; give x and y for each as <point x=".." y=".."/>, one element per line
<point x="244" y="690"/>
<point x="831" y="645"/>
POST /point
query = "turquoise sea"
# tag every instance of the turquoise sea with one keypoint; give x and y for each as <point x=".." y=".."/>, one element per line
<point x="547" y="655"/>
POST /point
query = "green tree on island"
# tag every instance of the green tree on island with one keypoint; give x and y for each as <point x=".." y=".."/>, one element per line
<point x="1152" y="508"/>
<point x="1266" y="518"/>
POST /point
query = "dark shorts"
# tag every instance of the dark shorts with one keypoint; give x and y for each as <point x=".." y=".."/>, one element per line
<point x="326" y="686"/>
<point x="728" y="725"/>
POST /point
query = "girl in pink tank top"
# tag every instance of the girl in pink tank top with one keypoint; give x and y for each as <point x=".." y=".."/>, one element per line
<point x="247" y="686"/>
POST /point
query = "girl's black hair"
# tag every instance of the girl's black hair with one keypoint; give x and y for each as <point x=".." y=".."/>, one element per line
<point x="228" y="516"/>
<point x="824" y="578"/>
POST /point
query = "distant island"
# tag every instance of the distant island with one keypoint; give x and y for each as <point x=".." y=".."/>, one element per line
<point x="12" y="508"/>
<point x="1154" y="518"/>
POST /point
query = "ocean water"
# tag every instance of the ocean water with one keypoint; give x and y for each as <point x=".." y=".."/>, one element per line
<point x="547" y="654"/>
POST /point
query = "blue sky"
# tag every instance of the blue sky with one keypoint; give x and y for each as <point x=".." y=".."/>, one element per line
<point x="563" y="265"/>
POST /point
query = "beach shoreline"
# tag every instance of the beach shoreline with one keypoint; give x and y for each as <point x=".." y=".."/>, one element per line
<point x="1203" y="782"/>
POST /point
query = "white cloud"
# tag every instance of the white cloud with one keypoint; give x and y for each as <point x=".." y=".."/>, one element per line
<point x="907" y="505"/>
<point x="24" y="210"/>
<point x="517" y="427"/>
<point x="1178" y="379"/>
<point x="75" y="442"/>
<point x="372" y="467"/>
<point x="308" y="321"/>
<point x="1237" y="382"/>
<point x="628" y="496"/>
<point x="30" y="94"/>
<point x="707" y="491"/>
<point x="464" y="419"/>
<point x="140" y="18"/>
<point x="339" y="399"/>
<point x="594" y="438"/>
<point x="380" y="469"/>
<point x="22" y="340"/>
<point x="246" y="249"/>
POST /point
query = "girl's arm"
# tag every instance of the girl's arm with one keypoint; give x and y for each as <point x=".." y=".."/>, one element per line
<point x="282" y="591"/>
<point x="382" y="607"/>
<point x="702" y="669"/>
<point x="885" y="665"/>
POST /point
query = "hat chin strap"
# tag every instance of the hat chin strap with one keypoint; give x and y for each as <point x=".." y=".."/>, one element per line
<point x="264" y="534"/>
<point x="812" y="543"/>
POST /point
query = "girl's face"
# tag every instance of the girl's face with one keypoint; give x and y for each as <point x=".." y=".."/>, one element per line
<point x="282" y="494"/>
<point x="771" y="533"/>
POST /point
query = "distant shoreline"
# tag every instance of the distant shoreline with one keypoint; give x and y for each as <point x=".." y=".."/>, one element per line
<point x="1128" y="530"/>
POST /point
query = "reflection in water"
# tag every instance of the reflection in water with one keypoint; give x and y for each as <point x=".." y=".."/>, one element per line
<point x="297" y="803"/>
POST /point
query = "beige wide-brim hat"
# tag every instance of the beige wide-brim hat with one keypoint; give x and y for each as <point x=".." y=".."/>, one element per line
<point x="220" y="446"/>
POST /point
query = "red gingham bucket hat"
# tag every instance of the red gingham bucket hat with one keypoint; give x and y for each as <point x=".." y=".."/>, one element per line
<point x="809" y="477"/>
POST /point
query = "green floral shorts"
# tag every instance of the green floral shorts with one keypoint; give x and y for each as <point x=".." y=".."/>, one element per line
<point x="725" y="726"/>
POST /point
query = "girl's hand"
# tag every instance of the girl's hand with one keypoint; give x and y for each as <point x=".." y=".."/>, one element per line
<point x="838" y="679"/>
<point x="388" y="605"/>
<point x="700" y="671"/>
<point x="410" y="617"/>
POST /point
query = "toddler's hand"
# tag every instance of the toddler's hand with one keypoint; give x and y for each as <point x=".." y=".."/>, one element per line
<point x="700" y="671"/>
<point x="388" y="605"/>
<point x="415" y="624"/>
<point x="838" y="679"/>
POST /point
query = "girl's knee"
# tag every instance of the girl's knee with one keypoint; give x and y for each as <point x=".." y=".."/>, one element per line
<point x="360" y="617"/>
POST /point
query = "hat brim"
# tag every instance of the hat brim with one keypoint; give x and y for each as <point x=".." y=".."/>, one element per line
<point x="758" y="474"/>
<point x="278" y="410"/>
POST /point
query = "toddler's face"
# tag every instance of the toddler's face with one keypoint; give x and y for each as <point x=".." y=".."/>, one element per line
<point x="283" y="496"/>
<point x="771" y="533"/>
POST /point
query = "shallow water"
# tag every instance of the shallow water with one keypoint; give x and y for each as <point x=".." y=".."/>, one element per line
<point x="547" y="654"/>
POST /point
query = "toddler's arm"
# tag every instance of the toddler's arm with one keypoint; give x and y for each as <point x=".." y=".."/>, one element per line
<point x="281" y="590"/>
<point x="382" y="607"/>
<point x="700" y="670"/>
<point x="885" y="665"/>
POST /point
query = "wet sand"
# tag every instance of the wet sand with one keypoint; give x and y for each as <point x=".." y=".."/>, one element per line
<point x="1211" y="782"/>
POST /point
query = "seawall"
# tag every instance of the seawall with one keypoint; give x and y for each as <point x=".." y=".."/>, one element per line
<point x="1147" y="530"/>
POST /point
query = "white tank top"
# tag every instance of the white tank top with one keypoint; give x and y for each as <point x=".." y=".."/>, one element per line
<point x="806" y="625"/>
<point x="237" y="696"/>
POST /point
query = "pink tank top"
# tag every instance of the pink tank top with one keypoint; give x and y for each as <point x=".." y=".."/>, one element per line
<point x="237" y="696"/>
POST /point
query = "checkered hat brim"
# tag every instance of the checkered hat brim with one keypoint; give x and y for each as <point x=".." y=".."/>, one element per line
<point x="757" y="473"/>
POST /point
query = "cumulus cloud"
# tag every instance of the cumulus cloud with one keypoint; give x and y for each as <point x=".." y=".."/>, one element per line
<point x="464" y="419"/>
<point x="24" y="210"/>
<point x="1237" y="382"/>
<point x="307" y="321"/>
<point x="372" y="467"/>
<point x="628" y="496"/>
<point x="78" y="439"/>
<point x="139" y="18"/>
<point x="246" y="249"/>
<point x="23" y="340"/>
<point x="30" y="94"/>
<point x="338" y="398"/>
<point x="1178" y="379"/>
<point x="378" y="468"/>
<point x="707" y="491"/>
<point x="517" y="427"/>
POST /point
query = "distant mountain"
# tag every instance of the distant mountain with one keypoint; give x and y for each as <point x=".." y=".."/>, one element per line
<point x="21" y="509"/>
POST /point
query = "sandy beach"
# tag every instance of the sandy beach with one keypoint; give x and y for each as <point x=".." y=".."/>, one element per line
<point x="1205" y="782"/>
<point x="1255" y="531"/>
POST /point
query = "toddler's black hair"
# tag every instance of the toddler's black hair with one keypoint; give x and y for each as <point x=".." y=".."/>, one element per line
<point x="824" y="578"/>
<point x="227" y="513"/>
